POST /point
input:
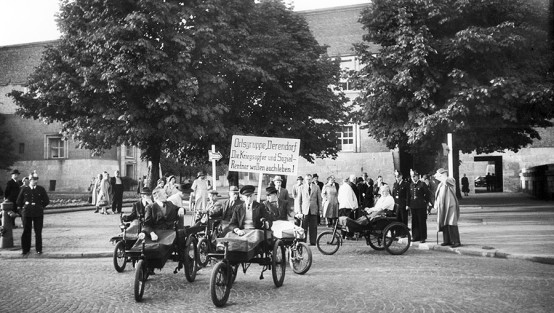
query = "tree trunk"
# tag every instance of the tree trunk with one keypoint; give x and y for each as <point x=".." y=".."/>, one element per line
<point x="154" y="170"/>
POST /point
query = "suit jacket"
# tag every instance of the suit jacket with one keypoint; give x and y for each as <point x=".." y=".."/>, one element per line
<point x="116" y="188"/>
<point x="418" y="195"/>
<point x="12" y="190"/>
<point x="258" y="212"/>
<point x="283" y="196"/>
<point x="156" y="219"/>
<point x="400" y="192"/>
<point x="277" y="211"/>
<point x="310" y="202"/>
<point x="137" y="211"/>
<point x="33" y="201"/>
<point x="225" y="210"/>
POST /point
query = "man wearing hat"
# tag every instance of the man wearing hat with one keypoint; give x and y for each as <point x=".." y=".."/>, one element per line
<point x="161" y="214"/>
<point x="226" y="209"/>
<point x="250" y="214"/>
<point x="180" y="196"/>
<point x="310" y="204"/>
<point x="117" y="192"/>
<point x="448" y="209"/>
<point x="33" y="200"/>
<point x="276" y="208"/>
<point x="212" y="206"/>
<point x="417" y="200"/>
<point x="12" y="191"/>
<point x="282" y="193"/>
<point x="139" y="207"/>
<point x="400" y="194"/>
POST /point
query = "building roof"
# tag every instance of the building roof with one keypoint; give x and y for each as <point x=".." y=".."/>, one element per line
<point x="337" y="27"/>
<point x="17" y="62"/>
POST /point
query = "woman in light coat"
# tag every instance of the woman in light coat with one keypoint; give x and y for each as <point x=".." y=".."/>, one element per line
<point x="104" y="191"/>
<point x="448" y="209"/>
<point x="330" y="201"/>
<point x="95" y="190"/>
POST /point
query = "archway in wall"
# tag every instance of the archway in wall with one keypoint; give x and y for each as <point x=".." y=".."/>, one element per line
<point x="493" y="166"/>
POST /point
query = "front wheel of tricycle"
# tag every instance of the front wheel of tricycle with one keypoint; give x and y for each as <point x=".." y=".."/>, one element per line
<point x="190" y="258"/>
<point x="328" y="242"/>
<point x="396" y="238"/>
<point x="203" y="250"/>
<point x="119" y="257"/>
<point x="300" y="258"/>
<point x="278" y="263"/>
<point x="141" y="274"/>
<point x="220" y="284"/>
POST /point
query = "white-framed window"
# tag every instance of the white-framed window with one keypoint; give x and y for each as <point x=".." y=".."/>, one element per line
<point x="346" y="138"/>
<point x="55" y="147"/>
<point x="130" y="152"/>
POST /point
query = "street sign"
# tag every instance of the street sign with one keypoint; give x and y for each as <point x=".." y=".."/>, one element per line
<point x="214" y="156"/>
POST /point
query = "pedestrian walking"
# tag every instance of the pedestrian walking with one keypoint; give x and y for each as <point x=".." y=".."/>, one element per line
<point x="465" y="185"/>
<point x="330" y="201"/>
<point x="104" y="192"/>
<point x="33" y="200"/>
<point x="448" y="209"/>
<point x="310" y="203"/>
<point x="95" y="191"/>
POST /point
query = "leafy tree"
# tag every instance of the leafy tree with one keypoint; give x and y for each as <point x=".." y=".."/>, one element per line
<point x="7" y="156"/>
<point x="480" y="69"/>
<point x="165" y="76"/>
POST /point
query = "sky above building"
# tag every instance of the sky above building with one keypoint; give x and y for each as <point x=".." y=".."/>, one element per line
<point x="23" y="21"/>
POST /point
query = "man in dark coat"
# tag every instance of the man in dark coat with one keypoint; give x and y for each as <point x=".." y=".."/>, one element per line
<point x="417" y="200"/>
<point x="160" y="215"/>
<point x="117" y="190"/>
<point x="400" y="194"/>
<point x="226" y="209"/>
<point x="139" y="207"/>
<point x="276" y="207"/>
<point x="33" y="200"/>
<point x="249" y="215"/>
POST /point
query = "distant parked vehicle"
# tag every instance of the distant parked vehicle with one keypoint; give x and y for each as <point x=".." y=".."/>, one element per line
<point x="480" y="181"/>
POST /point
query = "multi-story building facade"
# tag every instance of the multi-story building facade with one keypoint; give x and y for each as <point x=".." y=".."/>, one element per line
<point x="41" y="147"/>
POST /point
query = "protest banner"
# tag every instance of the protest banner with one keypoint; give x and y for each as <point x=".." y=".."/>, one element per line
<point x="267" y="155"/>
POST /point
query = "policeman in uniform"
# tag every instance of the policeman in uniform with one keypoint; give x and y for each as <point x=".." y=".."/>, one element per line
<point x="400" y="193"/>
<point x="417" y="201"/>
<point x="33" y="199"/>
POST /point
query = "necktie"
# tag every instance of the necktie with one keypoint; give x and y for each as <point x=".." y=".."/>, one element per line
<point x="309" y="189"/>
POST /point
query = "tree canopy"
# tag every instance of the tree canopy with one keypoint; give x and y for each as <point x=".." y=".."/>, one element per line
<point x="173" y="77"/>
<point x="480" y="69"/>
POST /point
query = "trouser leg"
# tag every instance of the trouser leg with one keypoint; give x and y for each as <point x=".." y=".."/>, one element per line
<point x="415" y="226"/>
<point x="446" y="234"/>
<point x="454" y="234"/>
<point x="37" y="224"/>
<point x="402" y="214"/>
<point x="313" y="228"/>
<point x="422" y="223"/>
<point x="26" y="236"/>
<point x="305" y="222"/>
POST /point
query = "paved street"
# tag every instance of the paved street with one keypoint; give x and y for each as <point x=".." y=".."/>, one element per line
<point x="356" y="279"/>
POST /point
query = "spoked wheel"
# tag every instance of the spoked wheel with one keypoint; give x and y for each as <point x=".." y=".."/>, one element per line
<point x="203" y="250"/>
<point x="278" y="263"/>
<point x="119" y="257"/>
<point x="328" y="243"/>
<point x="300" y="258"/>
<point x="141" y="275"/>
<point x="396" y="238"/>
<point x="190" y="258"/>
<point x="376" y="241"/>
<point x="220" y="284"/>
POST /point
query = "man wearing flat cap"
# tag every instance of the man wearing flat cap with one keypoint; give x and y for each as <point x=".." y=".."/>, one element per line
<point x="226" y="209"/>
<point x="250" y="214"/>
<point x="417" y="200"/>
<point x="276" y="208"/>
<point x="33" y="200"/>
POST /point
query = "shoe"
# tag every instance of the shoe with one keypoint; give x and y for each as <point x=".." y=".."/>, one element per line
<point x="39" y="252"/>
<point x="24" y="253"/>
<point x="456" y="245"/>
<point x="445" y="244"/>
<point x="96" y="211"/>
<point x="423" y="241"/>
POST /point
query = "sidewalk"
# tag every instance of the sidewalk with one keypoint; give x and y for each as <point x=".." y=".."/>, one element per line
<point x="502" y="225"/>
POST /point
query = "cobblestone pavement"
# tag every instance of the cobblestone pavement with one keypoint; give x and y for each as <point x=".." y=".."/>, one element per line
<point x="355" y="279"/>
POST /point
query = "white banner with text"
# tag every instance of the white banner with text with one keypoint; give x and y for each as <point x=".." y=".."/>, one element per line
<point x="266" y="155"/>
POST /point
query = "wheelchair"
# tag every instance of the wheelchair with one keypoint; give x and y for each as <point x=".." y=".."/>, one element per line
<point x="125" y="241"/>
<point x="268" y="252"/>
<point x="381" y="233"/>
<point x="179" y="245"/>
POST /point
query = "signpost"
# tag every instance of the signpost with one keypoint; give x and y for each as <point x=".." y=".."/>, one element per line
<point x="264" y="155"/>
<point x="214" y="157"/>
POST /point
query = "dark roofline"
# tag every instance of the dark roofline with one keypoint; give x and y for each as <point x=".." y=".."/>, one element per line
<point x="30" y="44"/>
<point x="337" y="8"/>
